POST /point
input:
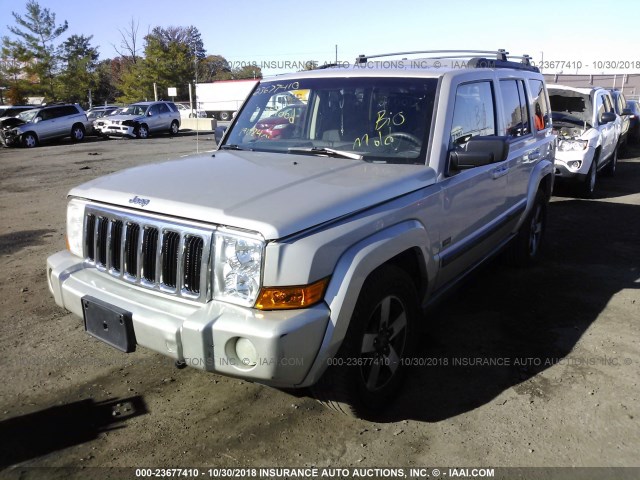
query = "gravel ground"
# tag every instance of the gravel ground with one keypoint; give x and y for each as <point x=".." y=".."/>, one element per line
<point x="518" y="368"/>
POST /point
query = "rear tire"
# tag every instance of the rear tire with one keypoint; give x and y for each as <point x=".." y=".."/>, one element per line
<point x="173" y="130"/>
<point x="369" y="368"/>
<point x="224" y="116"/>
<point x="77" y="133"/>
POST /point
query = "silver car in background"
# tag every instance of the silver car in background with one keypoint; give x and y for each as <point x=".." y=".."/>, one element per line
<point x="140" y="119"/>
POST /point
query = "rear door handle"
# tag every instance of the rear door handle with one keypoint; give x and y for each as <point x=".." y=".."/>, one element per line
<point x="534" y="155"/>
<point x="500" y="171"/>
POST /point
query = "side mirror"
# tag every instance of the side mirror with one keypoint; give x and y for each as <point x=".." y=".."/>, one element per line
<point x="37" y="119"/>
<point x="479" y="151"/>
<point x="607" y="117"/>
<point x="150" y="114"/>
<point x="627" y="111"/>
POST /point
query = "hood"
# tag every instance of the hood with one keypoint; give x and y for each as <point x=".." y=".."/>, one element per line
<point x="112" y="118"/>
<point x="270" y="193"/>
<point x="10" y="122"/>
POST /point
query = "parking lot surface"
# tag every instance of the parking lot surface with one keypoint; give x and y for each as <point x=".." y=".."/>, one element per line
<point x="535" y="367"/>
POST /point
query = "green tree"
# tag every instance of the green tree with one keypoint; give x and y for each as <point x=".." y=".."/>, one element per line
<point x="170" y="56"/>
<point x="15" y="87"/>
<point x="247" y="72"/>
<point x="33" y="45"/>
<point x="107" y="77"/>
<point x="78" y="74"/>
<point x="214" y="67"/>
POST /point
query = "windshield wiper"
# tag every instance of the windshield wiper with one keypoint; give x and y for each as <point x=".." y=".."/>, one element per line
<point x="326" y="151"/>
<point x="231" y="147"/>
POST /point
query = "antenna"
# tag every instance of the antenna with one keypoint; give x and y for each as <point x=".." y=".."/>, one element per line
<point x="195" y="86"/>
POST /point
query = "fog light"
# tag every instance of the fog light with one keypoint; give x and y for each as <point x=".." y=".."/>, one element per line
<point x="575" y="164"/>
<point x="246" y="352"/>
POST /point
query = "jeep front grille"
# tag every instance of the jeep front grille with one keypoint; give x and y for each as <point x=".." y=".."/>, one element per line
<point x="153" y="253"/>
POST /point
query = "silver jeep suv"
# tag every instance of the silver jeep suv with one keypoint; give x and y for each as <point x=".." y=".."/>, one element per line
<point x="307" y="259"/>
<point x="46" y="123"/>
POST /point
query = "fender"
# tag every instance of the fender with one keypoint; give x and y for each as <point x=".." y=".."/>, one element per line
<point x="352" y="269"/>
<point x="541" y="170"/>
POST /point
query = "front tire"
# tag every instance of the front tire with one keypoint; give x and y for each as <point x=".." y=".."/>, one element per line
<point x="224" y="116"/>
<point x="610" y="169"/>
<point x="369" y="368"/>
<point x="588" y="186"/>
<point x="142" y="132"/>
<point x="29" y="140"/>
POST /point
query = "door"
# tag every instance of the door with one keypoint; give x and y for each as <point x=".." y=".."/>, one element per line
<point x="607" y="130"/>
<point x="474" y="199"/>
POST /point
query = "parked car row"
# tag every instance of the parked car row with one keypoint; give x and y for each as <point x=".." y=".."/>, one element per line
<point x="29" y="126"/>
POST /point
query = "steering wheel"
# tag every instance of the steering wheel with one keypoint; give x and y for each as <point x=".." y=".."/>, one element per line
<point x="406" y="136"/>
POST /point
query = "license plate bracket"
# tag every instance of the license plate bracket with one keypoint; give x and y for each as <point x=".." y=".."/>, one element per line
<point x="109" y="323"/>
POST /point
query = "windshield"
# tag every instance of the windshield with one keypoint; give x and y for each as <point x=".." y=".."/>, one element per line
<point x="29" y="115"/>
<point x="135" y="110"/>
<point x="376" y="119"/>
<point x="571" y="107"/>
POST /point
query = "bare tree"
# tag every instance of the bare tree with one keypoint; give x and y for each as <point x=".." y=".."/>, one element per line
<point x="129" y="41"/>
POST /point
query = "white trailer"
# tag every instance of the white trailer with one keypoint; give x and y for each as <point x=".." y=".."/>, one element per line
<point x="222" y="98"/>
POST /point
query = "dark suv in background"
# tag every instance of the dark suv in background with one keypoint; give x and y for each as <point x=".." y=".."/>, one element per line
<point x="46" y="123"/>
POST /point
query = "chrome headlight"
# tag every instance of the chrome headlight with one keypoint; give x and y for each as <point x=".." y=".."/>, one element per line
<point x="237" y="267"/>
<point x="75" y="227"/>
<point x="572" y="145"/>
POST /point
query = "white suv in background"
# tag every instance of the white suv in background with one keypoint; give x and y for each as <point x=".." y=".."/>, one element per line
<point x="588" y="130"/>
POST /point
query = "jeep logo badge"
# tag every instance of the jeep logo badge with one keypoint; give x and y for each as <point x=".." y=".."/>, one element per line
<point x="143" y="202"/>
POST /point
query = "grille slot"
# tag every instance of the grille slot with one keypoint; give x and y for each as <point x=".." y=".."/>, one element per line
<point x="116" y="245"/>
<point x="149" y="252"/>
<point x="90" y="236"/>
<point x="131" y="239"/>
<point x="101" y="241"/>
<point x="192" y="263"/>
<point x="170" y="245"/>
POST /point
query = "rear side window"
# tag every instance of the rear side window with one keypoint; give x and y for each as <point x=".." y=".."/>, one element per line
<point x="539" y="105"/>
<point x="69" y="110"/>
<point x="473" y="112"/>
<point x="516" y="108"/>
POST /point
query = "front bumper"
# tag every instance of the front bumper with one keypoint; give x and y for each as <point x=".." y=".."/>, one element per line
<point x="9" y="139"/>
<point x="563" y="170"/>
<point x="201" y="335"/>
<point x="116" y="130"/>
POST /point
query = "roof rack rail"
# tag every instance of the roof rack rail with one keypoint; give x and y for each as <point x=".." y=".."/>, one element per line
<point x="501" y="59"/>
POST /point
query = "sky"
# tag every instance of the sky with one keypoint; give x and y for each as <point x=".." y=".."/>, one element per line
<point x="568" y="36"/>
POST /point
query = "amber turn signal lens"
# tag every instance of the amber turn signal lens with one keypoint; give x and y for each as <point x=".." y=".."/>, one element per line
<point x="283" y="298"/>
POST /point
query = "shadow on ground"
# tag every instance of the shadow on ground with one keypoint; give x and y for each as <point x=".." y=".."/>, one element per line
<point x="503" y="327"/>
<point x="55" y="428"/>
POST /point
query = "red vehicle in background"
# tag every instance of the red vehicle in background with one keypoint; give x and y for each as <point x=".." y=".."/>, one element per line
<point x="282" y="123"/>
